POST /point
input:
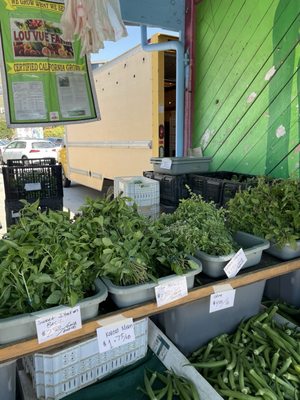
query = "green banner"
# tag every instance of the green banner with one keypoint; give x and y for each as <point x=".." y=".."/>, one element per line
<point x="46" y="80"/>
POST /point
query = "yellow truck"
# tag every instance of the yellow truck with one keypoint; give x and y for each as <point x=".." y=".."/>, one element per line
<point x="137" y="95"/>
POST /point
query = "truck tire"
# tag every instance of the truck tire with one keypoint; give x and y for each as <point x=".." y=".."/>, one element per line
<point x="65" y="181"/>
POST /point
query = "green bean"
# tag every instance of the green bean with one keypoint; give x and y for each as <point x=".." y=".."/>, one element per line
<point x="282" y="382"/>
<point x="231" y="380"/>
<point x="232" y="363"/>
<point x="258" y="378"/>
<point x="267" y="356"/>
<point x="148" y="387"/>
<point x="291" y="377"/>
<point x="221" y="382"/>
<point x="268" y="393"/>
<point x="284" y="367"/>
<point x="207" y="351"/>
<point x="238" y="395"/>
<point x="210" y="364"/>
<point x="260" y="349"/>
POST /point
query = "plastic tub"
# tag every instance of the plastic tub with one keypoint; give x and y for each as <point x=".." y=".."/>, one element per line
<point x="253" y="247"/>
<point x="190" y="326"/>
<point x="61" y="372"/>
<point x="284" y="287"/>
<point x="23" y="326"/>
<point x="8" y="380"/>
<point x="286" y="252"/>
<point x="182" y="165"/>
<point x="126" y="296"/>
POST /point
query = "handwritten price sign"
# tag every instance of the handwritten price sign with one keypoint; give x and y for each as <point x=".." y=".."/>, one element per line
<point x="57" y="324"/>
<point x="115" y="335"/>
<point x="221" y="300"/>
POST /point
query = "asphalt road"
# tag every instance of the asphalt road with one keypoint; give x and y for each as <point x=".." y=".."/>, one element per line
<point x="74" y="197"/>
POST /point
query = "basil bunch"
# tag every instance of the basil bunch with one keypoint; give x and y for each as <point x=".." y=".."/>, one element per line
<point x="129" y="248"/>
<point x="201" y="226"/>
<point x="270" y="210"/>
<point x="44" y="261"/>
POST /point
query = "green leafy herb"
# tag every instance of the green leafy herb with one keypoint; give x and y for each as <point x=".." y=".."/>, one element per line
<point x="270" y="210"/>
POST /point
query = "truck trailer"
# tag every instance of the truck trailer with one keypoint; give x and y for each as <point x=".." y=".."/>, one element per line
<point x="137" y="96"/>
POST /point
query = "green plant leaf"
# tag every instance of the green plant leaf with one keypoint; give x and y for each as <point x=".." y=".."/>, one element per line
<point x="43" y="278"/>
<point x="54" y="297"/>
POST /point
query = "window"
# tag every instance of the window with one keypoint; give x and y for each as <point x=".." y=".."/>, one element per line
<point x="12" y="145"/>
<point x="41" y="145"/>
<point x="21" y="145"/>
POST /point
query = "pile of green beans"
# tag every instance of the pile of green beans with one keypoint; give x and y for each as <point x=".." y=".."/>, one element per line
<point x="288" y="311"/>
<point x="260" y="361"/>
<point x="169" y="386"/>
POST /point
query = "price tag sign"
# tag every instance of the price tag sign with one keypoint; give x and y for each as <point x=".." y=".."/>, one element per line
<point x="115" y="335"/>
<point x="171" y="290"/>
<point x="57" y="324"/>
<point x="166" y="163"/>
<point x="221" y="300"/>
<point x="29" y="187"/>
<point x="235" y="264"/>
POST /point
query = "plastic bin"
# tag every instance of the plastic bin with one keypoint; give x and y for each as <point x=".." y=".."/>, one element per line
<point x="23" y="326"/>
<point x="33" y="181"/>
<point x="126" y="296"/>
<point x="167" y="209"/>
<point x="209" y="188"/>
<point x="31" y="161"/>
<point x="59" y="373"/>
<point x="284" y="287"/>
<point x="221" y="186"/>
<point x="182" y="165"/>
<point x="13" y="207"/>
<point x="253" y="247"/>
<point x="8" y="373"/>
<point x="165" y="356"/>
<point x="143" y="191"/>
<point x="286" y="252"/>
<point x="172" y="187"/>
<point x="190" y="326"/>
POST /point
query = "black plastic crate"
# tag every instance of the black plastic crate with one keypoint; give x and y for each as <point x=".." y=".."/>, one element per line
<point x="209" y="188"/>
<point x="219" y="186"/>
<point x="24" y="162"/>
<point x="172" y="187"/>
<point x="32" y="182"/>
<point x="12" y="208"/>
<point x="167" y="209"/>
<point x="148" y="174"/>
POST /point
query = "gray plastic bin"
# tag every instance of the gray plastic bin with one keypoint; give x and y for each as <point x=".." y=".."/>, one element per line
<point x="126" y="296"/>
<point x="8" y="373"/>
<point x="284" y="287"/>
<point x="191" y="325"/>
<point x="286" y="252"/>
<point x="23" y="326"/>
<point x="182" y="165"/>
<point x="253" y="247"/>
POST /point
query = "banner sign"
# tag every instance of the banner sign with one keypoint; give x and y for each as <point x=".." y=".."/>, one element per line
<point x="45" y="80"/>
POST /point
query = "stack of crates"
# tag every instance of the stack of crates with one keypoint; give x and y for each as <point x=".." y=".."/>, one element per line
<point x="31" y="180"/>
<point x="142" y="191"/>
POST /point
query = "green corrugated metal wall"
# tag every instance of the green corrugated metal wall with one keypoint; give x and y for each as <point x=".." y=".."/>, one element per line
<point x="246" y="113"/>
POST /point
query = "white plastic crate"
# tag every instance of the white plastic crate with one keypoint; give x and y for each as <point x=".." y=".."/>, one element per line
<point x="143" y="191"/>
<point x="57" y="374"/>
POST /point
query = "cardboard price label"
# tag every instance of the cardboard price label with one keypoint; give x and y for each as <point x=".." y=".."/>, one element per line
<point x="221" y="300"/>
<point x="57" y="324"/>
<point x="235" y="264"/>
<point x="115" y="335"/>
<point x="171" y="290"/>
<point x="166" y="163"/>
